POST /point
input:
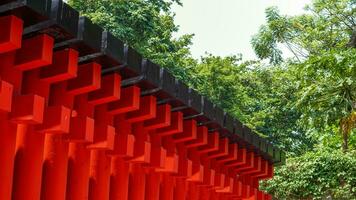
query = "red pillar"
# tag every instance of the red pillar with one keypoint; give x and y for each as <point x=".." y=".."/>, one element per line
<point x="78" y="172"/>
<point x="180" y="190"/>
<point x="153" y="184"/>
<point x="7" y="155"/>
<point x="167" y="187"/>
<point x="99" y="175"/>
<point x="137" y="182"/>
<point x="119" y="183"/>
<point x="28" y="164"/>
<point x="55" y="165"/>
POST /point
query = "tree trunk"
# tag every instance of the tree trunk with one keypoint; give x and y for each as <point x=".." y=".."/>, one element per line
<point x="345" y="141"/>
<point x="344" y="134"/>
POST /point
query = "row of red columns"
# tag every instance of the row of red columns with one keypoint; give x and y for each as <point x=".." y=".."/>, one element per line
<point x="66" y="132"/>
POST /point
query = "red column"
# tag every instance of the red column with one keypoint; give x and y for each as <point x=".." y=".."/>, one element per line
<point x="28" y="164"/>
<point x="27" y="110"/>
<point x="167" y="187"/>
<point x="99" y="175"/>
<point x="124" y="142"/>
<point x="78" y="172"/>
<point x="137" y="182"/>
<point x="119" y="183"/>
<point x="57" y="146"/>
<point x="153" y="184"/>
<point x="54" y="168"/>
<point x="7" y="139"/>
<point x="204" y="193"/>
<point x="180" y="190"/>
<point x="193" y="192"/>
<point x="104" y="137"/>
<point x="7" y="155"/>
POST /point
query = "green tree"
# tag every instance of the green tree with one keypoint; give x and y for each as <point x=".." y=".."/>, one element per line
<point x="320" y="175"/>
<point x="323" y="71"/>
<point x="146" y="25"/>
<point x="320" y="42"/>
<point x="327" y="25"/>
<point x="327" y="91"/>
<point x="258" y="95"/>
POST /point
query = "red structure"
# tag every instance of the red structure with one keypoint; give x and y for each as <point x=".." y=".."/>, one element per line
<point x="83" y="116"/>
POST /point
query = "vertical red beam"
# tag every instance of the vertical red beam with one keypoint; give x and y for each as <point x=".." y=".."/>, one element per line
<point x="99" y="175"/>
<point x="104" y="133"/>
<point x="158" y="153"/>
<point x="82" y="128"/>
<point x="28" y="164"/>
<point x="124" y="141"/>
<point x="55" y="165"/>
<point x="184" y="171"/>
<point x="10" y="40"/>
<point x="11" y="71"/>
<point x="180" y="190"/>
<point x="137" y="182"/>
<point x="78" y="172"/>
<point x="36" y="52"/>
<point x="119" y="183"/>
<point x="7" y="140"/>
<point x="214" y="195"/>
<point x="153" y="182"/>
<point x="81" y="133"/>
<point x="204" y="193"/>
<point x="167" y="187"/>
<point x="193" y="191"/>
<point x="7" y="155"/>
<point x="171" y="188"/>
<point x="54" y="182"/>
<point x="142" y="150"/>
<point x="56" y="122"/>
<point x="27" y="110"/>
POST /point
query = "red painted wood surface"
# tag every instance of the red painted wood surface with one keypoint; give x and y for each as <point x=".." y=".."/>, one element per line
<point x="66" y="132"/>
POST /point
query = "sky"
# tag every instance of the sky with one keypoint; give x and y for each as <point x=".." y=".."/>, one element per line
<point x="225" y="27"/>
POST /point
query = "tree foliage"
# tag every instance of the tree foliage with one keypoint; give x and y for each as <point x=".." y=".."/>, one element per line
<point x="328" y="25"/>
<point x="316" y="175"/>
<point x="147" y="25"/>
<point x="323" y="67"/>
<point x="258" y="95"/>
<point x="327" y="91"/>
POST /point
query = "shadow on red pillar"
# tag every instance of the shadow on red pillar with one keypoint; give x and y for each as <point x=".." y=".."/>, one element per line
<point x="167" y="187"/>
<point x="78" y="172"/>
<point x="119" y="180"/>
<point x="180" y="190"/>
<point x="7" y="155"/>
<point x="137" y="182"/>
<point x="28" y="164"/>
<point x="153" y="180"/>
<point x="54" y="175"/>
<point x="99" y="175"/>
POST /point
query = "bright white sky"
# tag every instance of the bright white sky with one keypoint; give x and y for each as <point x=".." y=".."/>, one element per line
<point x="225" y="27"/>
